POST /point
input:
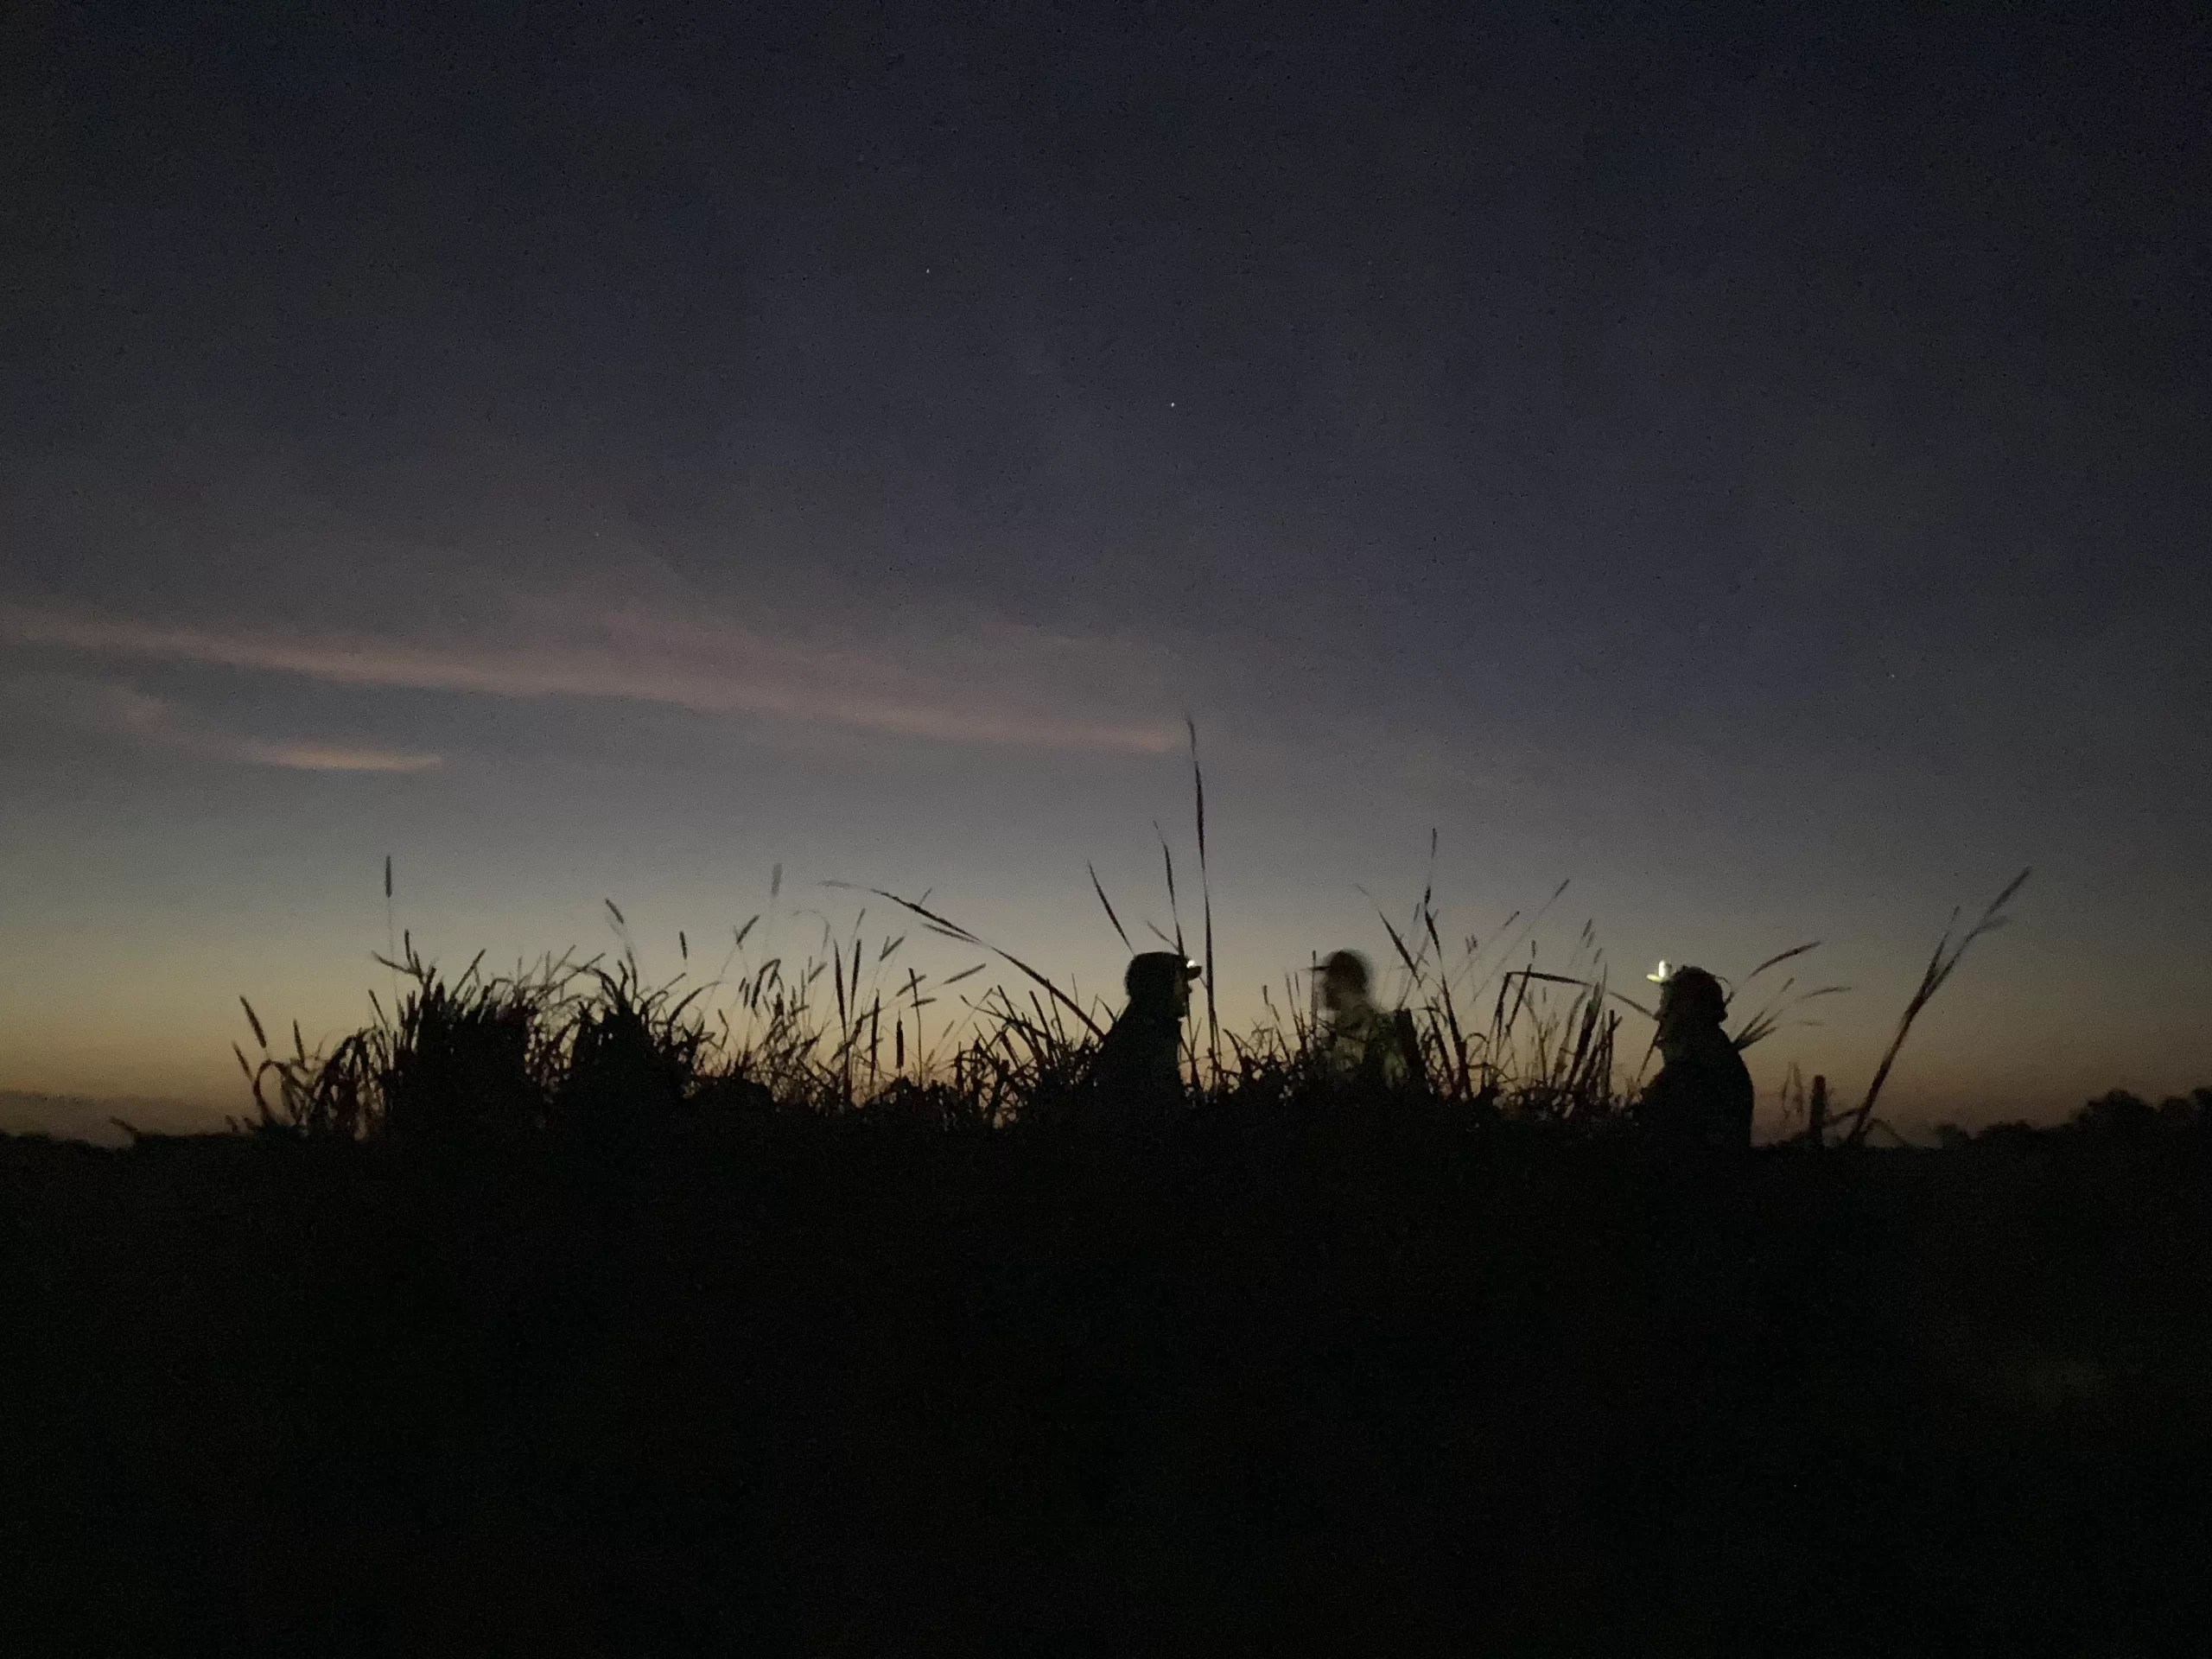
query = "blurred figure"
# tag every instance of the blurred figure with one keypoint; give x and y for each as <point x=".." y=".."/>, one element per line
<point x="1360" y="1044"/>
<point x="1702" y="1096"/>
<point x="1139" y="1071"/>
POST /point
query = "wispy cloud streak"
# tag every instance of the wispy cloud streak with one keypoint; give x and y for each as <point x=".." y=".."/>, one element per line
<point x="636" y="656"/>
<point x="98" y="706"/>
<point x="333" y="757"/>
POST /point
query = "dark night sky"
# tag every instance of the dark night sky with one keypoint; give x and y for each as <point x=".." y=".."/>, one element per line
<point x="1755" y="463"/>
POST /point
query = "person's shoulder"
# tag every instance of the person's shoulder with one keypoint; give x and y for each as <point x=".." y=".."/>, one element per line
<point x="1714" y="1047"/>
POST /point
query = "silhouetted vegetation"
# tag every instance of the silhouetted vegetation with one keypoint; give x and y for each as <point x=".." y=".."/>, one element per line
<point x="1373" y="1374"/>
<point x="794" y="1310"/>
<point x="2115" y="1119"/>
<point x="590" y="1053"/>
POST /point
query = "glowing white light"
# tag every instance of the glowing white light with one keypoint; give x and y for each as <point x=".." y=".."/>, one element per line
<point x="1662" y="974"/>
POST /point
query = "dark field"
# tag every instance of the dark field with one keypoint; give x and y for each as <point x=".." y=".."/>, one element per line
<point x="1378" y="1385"/>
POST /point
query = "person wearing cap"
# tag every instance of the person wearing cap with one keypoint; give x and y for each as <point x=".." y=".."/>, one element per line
<point x="1139" y="1070"/>
<point x="1703" y="1096"/>
<point x="1360" y="1044"/>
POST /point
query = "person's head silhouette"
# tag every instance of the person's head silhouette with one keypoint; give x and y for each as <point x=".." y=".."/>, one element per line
<point x="1691" y="1003"/>
<point x="1344" y="980"/>
<point x="1159" y="984"/>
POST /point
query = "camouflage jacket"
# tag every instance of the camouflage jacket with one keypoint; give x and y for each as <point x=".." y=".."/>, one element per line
<point x="1361" y="1045"/>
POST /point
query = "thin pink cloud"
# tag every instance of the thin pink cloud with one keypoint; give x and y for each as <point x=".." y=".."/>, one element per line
<point x="330" y="757"/>
<point x="99" y="706"/>
<point x="647" y="658"/>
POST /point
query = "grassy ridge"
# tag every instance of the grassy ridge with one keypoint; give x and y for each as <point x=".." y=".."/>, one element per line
<point x="813" y="1306"/>
<point x="817" y="1385"/>
<point x="589" y="1048"/>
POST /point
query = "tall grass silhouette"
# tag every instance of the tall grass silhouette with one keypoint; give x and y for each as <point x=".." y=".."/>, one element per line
<point x="591" y="1050"/>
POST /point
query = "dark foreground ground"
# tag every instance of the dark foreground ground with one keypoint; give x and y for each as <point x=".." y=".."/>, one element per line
<point x="1380" y="1389"/>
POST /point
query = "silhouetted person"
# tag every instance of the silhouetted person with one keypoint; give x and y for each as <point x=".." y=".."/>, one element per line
<point x="1359" y="1043"/>
<point x="1139" y="1071"/>
<point x="1702" y="1096"/>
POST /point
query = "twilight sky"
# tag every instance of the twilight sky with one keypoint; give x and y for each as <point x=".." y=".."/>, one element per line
<point x="1754" y="464"/>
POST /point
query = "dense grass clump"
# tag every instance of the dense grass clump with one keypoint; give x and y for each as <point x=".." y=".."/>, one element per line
<point x="593" y="1053"/>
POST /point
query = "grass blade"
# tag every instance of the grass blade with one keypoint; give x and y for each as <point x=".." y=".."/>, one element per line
<point x="1101" y="891"/>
